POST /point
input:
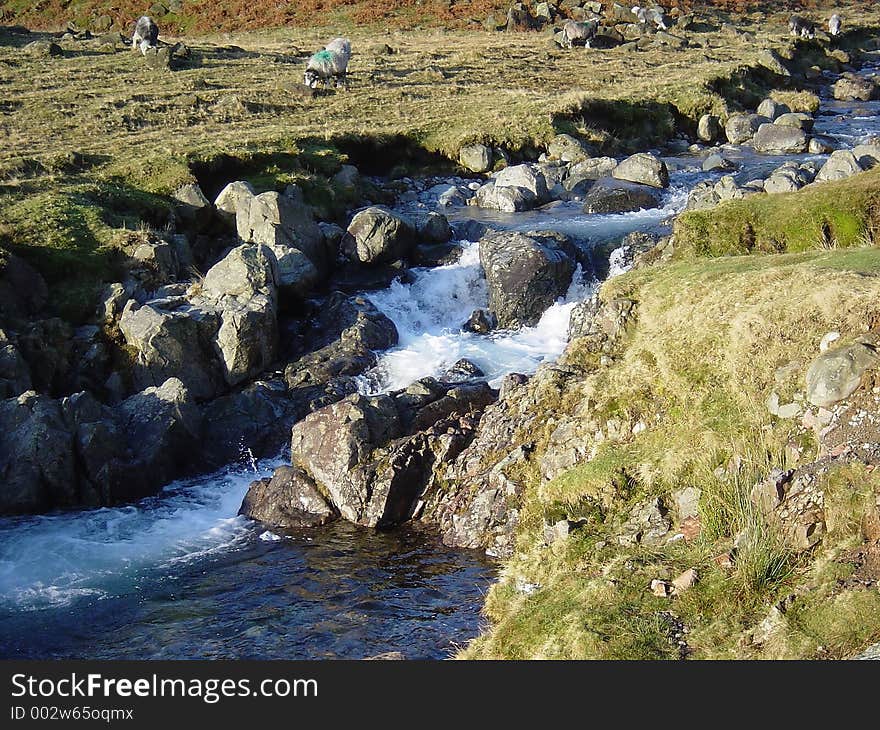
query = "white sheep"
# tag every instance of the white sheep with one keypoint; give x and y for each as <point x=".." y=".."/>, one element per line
<point x="576" y="33"/>
<point x="651" y="15"/>
<point x="146" y="34"/>
<point x="834" y="23"/>
<point x="331" y="62"/>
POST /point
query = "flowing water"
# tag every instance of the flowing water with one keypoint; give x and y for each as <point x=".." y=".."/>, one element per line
<point x="180" y="575"/>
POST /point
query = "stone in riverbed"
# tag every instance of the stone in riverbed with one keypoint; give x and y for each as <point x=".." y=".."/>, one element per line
<point x="868" y="155"/>
<point x="643" y="168"/>
<point x="772" y="109"/>
<point x="779" y="139"/>
<point x="609" y="195"/>
<point x="821" y="145"/>
<point x="476" y="157"/>
<point x="525" y="176"/>
<point x="507" y="199"/>
<point x="289" y="499"/>
<point x="709" y="128"/>
<point x="851" y="87"/>
<point x="376" y="235"/>
<point x="526" y="273"/>
<point x="568" y="149"/>
<point x="741" y="128"/>
<point x="481" y="322"/>
<point x="799" y="120"/>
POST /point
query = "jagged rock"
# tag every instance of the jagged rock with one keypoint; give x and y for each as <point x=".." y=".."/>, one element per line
<point x="772" y="109"/>
<point x="643" y="168"/>
<point x="476" y="157"/>
<point x="769" y="59"/>
<point x="566" y="148"/>
<point x="526" y="273"/>
<point x="598" y="324"/>
<point x="462" y="371"/>
<point x="778" y="139"/>
<point x="709" y="128"/>
<point x="851" y="87"/>
<point x="43" y="49"/>
<point x="837" y="373"/>
<point x="234" y="197"/>
<point x="648" y="524"/>
<point x="687" y="502"/>
<point x="609" y="195"/>
<point x="741" y="128"/>
<point x="158" y="58"/>
<point x="193" y="206"/>
<point x="289" y="499"/>
<point x="376" y="235"/>
<point x="481" y="322"/>
<point x="841" y="165"/>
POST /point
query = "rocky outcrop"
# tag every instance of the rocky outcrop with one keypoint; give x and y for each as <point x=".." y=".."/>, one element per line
<point x="289" y="499"/>
<point x="75" y="451"/>
<point x="376" y="235"/>
<point x="526" y="273"/>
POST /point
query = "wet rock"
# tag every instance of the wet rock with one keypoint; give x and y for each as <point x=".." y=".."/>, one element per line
<point x="610" y="195"/>
<point x="841" y="165"/>
<point x="851" y="87"/>
<point x="376" y="235"/>
<point x="771" y="109"/>
<point x="741" y="128"/>
<point x="526" y="273"/>
<point x="837" y="373"/>
<point x="715" y="162"/>
<point x="643" y="168"/>
<point x="589" y="170"/>
<point x="481" y="322"/>
<point x="289" y="499"/>
<point x="476" y="158"/>
<point x="434" y="228"/>
<point x="462" y="371"/>
<point x="778" y="139"/>
<point x="709" y="128"/>
<point x="821" y="145"/>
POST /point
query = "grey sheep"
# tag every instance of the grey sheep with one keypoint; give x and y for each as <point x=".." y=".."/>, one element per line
<point x="576" y="33"/>
<point x="834" y="23"/>
<point x="146" y="34"/>
<point x="331" y="62"/>
<point x="651" y="15"/>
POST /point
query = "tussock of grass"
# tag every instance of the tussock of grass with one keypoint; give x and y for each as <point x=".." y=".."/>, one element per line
<point x="837" y="214"/>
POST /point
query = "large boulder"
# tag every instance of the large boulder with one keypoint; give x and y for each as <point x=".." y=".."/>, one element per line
<point x="507" y="199"/>
<point x="525" y="176"/>
<point x="741" y="128"/>
<point x="476" y="157"/>
<point x="776" y="139"/>
<point x="376" y="235"/>
<point x="643" y="168"/>
<point x="709" y="128"/>
<point x="839" y="166"/>
<point x="526" y="273"/>
<point x="568" y="149"/>
<point x="868" y="155"/>
<point x="289" y="499"/>
<point x="234" y="197"/>
<point x="244" y="272"/>
<point x="282" y="220"/>
<point x="772" y="109"/>
<point x="609" y="195"/>
<point x="851" y="87"/>
<point x="800" y="120"/>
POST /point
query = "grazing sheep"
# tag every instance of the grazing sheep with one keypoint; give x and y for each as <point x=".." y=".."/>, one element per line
<point x="145" y="32"/>
<point x="802" y="27"/>
<point x="655" y="16"/>
<point x="580" y="34"/>
<point x="329" y="63"/>
<point x="834" y="23"/>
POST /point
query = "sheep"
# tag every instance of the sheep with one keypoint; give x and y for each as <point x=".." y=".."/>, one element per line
<point x="799" y="26"/>
<point x="651" y="15"/>
<point x="331" y="62"/>
<point x="834" y="23"/>
<point x="575" y="33"/>
<point x="146" y="34"/>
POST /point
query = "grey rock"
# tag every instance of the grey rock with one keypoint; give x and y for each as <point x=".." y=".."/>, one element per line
<point x="481" y="322"/>
<point x="715" y="162"/>
<point x="709" y="128"/>
<point x="771" y="109"/>
<point x="609" y="195"/>
<point x="434" y="228"/>
<point x="476" y="157"/>
<point x="799" y="120"/>
<point x="235" y="196"/>
<point x="289" y="499"/>
<point x="868" y="155"/>
<point x="643" y="168"/>
<point x="507" y="199"/>
<point x="837" y="373"/>
<point x="376" y="235"/>
<point x="741" y="128"/>
<point x="526" y="177"/>
<point x="821" y="145"/>
<point x="526" y="273"/>
<point x="839" y="166"/>
<point x="779" y="139"/>
<point x="566" y="148"/>
<point x="851" y="87"/>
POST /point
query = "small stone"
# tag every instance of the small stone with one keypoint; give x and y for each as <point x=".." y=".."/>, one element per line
<point x="724" y="561"/>
<point x="827" y="339"/>
<point x="685" y="581"/>
<point x="660" y="588"/>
